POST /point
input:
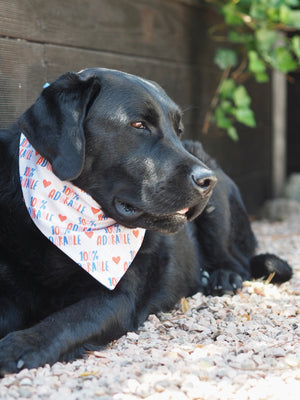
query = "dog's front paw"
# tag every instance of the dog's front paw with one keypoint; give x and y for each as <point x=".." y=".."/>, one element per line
<point x="23" y="349"/>
<point x="223" y="281"/>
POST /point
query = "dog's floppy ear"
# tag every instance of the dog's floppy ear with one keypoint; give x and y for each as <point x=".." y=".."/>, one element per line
<point x="54" y="124"/>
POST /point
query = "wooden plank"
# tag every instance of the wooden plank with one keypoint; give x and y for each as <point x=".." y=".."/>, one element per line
<point x="176" y="78"/>
<point x="22" y="74"/>
<point x="151" y="28"/>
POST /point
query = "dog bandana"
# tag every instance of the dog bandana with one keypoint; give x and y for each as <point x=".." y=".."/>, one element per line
<point x="74" y="222"/>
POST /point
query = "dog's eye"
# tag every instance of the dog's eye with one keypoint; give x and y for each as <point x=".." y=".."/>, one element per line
<point x="138" y="125"/>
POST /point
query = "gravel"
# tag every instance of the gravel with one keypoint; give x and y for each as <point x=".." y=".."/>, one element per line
<point x="241" y="347"/>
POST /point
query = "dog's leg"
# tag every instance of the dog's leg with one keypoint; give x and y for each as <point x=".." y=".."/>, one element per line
<point x="227" y="248"/>
<point x="91" y="320"/>
<point x="224" y="232"/>
<point x="11" y="317"/>
<point x="12" y="312"/>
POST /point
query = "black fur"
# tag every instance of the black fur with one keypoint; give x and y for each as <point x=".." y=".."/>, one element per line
<point x="141" y="175"/>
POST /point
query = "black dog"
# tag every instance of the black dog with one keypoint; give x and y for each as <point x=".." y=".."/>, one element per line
<point x="117" y="137"/>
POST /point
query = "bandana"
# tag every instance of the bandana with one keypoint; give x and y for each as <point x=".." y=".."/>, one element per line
<point x="72" y="220"/>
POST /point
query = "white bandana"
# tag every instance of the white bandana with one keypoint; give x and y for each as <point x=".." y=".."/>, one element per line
<point x="74" y="222"/>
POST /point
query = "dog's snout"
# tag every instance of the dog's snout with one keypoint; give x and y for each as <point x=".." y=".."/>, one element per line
<point x="204" y="179"/>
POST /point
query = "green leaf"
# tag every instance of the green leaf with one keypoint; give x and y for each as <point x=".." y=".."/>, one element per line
<point x="258" y="10"/>
<point x="245" y="116"/>
<point x="240" y="37"/>
<point x="232" y="133"/>
<point x="284" y="59"/>
<point x="284" y="14"/>
<point x="293" y="3"/>
<point x="226" y="88"/>
<point x="261" y="77"/>
<point x="241" y="97"/>
<point x="256" y="64"/>
<point x="289" y="16"/>
<point x="226" y="106"/>
<point x="225" y="58"/>
<point x="222" y="121"/>
<point x="258" y="67"/>
<point x="230" y="14"/>
<point x="296" y="45"/>
<point x="265" y="39"/>
<point x="273" y="14"/>
<point x="295" y="19"/>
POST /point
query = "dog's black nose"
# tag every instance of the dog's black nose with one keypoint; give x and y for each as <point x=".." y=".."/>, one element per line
<point x="204" y="179"/>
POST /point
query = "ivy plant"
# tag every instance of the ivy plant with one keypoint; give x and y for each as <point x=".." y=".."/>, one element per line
<point x="255" y="36"/>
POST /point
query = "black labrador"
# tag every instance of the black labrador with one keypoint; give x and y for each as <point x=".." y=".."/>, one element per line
<point x="117" y="137"/>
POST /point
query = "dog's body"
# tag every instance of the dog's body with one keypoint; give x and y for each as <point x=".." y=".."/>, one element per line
<point x="115" y="136"/>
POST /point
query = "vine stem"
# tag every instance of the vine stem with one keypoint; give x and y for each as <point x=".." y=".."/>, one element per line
<point x="240" y="75"/>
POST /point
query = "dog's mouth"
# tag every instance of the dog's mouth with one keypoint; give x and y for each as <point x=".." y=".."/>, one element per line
<point x="130" y="213"/>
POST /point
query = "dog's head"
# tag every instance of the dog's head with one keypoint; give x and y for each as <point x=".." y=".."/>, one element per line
<point x="117" y="136"/>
